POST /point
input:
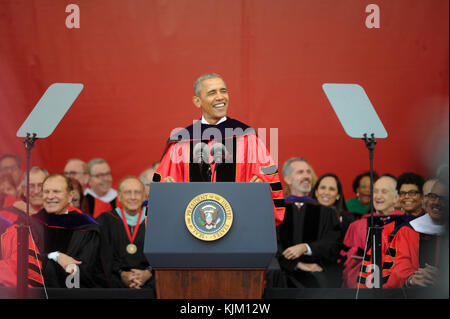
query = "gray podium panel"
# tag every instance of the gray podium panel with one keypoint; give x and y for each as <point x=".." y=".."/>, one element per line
<point x="250" y="242"/>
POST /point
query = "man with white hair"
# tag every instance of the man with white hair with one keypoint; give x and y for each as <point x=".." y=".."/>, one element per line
<point x="385" y="196"/>
<point x="123" y="234"/>
<point x="146" y="177"/>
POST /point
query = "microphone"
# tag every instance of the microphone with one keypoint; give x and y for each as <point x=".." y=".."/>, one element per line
<point x="200" y="153"/>
<point x="218" y="152"/>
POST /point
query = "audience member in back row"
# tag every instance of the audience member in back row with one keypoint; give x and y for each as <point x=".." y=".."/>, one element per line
<point x="77" y="194"/>
<point x="19" y="208"/>
<point x="355" y="241"/>
<point x="146" y="178"/>
<point x="361" y="186"/>
<point x="426" y="188"/>
<point x="100" y="197"/>
<point x="10" y="163"/>
<point x="78" y="169"/>
<point x="123" y="233"/>
<point x="309" y="234"/>
<point x="410" y="192"/>
<point x="329" y="192"/>
<point x="8" y="190"/>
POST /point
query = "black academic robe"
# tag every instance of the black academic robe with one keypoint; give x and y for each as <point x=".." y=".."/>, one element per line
<point x="76" y="235"/>
<point x="317" y="226"/>
<point x="114" y="242"/>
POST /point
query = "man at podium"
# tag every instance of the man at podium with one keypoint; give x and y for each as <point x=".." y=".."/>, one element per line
<point x="217" y="148"/>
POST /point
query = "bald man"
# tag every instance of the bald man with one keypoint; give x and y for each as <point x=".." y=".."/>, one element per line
<point x="385" y="197"/>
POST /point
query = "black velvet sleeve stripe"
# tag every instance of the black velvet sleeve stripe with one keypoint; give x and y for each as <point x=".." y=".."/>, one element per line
<point x="34" y="268"/>
<point x="279" y="203"/>
<point x="33" y="254"/>
<point x="391" y="252"/>
<point x="388" y="264"/>
<point x="34" y="283"/>
<point x="276" y="186"/>
<point x="361" y="280"/>
<point x="360" y="252"/>
<point x="156" y="177"/>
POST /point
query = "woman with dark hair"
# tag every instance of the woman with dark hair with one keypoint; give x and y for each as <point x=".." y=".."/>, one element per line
<point x="328" y="192"/>
<point x="77" y="193"/>
<point x="361" y="186"/>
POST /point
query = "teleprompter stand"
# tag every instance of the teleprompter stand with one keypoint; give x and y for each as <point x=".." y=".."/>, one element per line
<point x="40" y="123"/>
<point x="359" y="120"/>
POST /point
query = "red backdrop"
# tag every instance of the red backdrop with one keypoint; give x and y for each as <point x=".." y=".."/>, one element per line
<point x="138" y="60"/>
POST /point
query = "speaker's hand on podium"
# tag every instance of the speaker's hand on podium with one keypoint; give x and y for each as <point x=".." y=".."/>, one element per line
<point x="256" y="179"/>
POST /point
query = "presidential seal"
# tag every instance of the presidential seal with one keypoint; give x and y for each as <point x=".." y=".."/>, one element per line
<point x="208" y="216"/>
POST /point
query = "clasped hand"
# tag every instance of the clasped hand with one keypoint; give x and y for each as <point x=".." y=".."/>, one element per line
<point x="135" y="278"/>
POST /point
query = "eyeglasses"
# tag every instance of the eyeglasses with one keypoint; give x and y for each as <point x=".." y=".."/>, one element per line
<point x="129" y="193"/>
<point x="9" y="168"/>
<point x="73" y="173"/>
<point x="102" y="175"/>
<point x="434" y="196"/>
<point x="410" y="193"/>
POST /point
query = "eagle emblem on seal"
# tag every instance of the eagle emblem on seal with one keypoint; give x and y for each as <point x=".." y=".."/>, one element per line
<point x="208" y="216"/>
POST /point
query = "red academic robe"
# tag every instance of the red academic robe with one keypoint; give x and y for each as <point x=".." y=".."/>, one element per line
<point x="7" y="200"/>
<point x="354" y="245"/>
<point x="8" y="265"/>
<point x="245" y="156"/>
<point x="388" y="234"/>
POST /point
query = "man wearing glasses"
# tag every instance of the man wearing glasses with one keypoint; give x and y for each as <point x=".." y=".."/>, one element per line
<point x="78" y="169"/>
<point x="100" y="196"/>
<point x="11" y="163"/>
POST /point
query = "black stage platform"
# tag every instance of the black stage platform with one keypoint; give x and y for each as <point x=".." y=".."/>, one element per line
<point x="273" y="293"/>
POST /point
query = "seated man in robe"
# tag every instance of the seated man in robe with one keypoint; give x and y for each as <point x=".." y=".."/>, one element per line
<point x="309" y="234"/>
<point x="123" y="234"/>
<point x="385" y="197"/>
<point x="65" y="241"/>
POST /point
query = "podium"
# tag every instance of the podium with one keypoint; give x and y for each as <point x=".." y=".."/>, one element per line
<point x="227" y="259"/>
